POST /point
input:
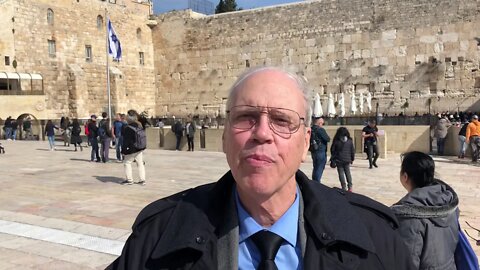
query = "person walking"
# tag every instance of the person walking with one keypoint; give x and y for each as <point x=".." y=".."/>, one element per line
<point x="50" y="132"/>
<point x="178" y="130"/>
<point x="319" y="138"/>
<point x="190" y="132"/>
<point x="428" y="214"/>
<point x="105" y="132"/>
<point x="130" y="152"/>
<point x="92" y="138"/>
<point x="369" y="135"/>
<point x="75" y="138"/>
<point x="118" y="126"/>
<point x="343" y="154"/>
<point x="14" y="125"/>
<point x="64" y="126"/>
<point x="441" y="131"/>
<point x="462" y="140"/>
<point x="27" y="128"/>
<point x="8" y="128"/>
<point x="473" y="137"/>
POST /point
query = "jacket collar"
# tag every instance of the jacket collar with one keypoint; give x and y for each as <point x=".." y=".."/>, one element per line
<point x="331" y="217"/>
<point x="199" y="217"/>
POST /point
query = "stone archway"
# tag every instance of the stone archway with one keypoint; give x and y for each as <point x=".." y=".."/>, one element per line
<point x="36" y="127"/>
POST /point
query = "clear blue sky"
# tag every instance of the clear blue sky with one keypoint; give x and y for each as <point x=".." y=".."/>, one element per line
<point x="161" y="6"/>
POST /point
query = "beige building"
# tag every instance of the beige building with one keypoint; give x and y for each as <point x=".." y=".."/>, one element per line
<point x="412" y="56"/>
<point x="53" y="57"/>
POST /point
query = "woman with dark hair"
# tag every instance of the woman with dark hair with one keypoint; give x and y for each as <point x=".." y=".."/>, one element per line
<point x="50" y="132"/>
<point x="76" y="138"/>
<point x="428" y="214"/>
<point x="343" y="154"/>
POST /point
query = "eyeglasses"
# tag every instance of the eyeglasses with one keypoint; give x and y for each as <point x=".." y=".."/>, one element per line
<point x="280" y="120"/>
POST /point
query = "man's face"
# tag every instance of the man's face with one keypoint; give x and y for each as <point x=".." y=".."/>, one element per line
<point x="264" y="162"/>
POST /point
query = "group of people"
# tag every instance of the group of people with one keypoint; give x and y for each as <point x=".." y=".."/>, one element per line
<point x="188" y="130"/>
<point x="468" y="135"/>
<point x="127" y="132"/>
<point x="342" y="150"/>
<point x="11" y="127"/>
<point x="264" y="213"/>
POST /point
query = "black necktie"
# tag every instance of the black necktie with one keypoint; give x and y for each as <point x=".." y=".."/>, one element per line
<point x="268" y="244"/>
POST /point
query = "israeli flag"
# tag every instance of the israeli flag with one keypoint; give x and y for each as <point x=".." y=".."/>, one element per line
<point x="114" y="47"/>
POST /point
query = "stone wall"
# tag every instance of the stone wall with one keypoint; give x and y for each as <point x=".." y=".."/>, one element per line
<point x="403" y="52"/>
<point x="74" y="86"/>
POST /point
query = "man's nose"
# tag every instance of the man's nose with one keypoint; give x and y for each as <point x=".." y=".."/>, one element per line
<point x="262" y="131"/>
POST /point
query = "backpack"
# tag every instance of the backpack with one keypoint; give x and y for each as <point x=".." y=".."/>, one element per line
<point x="314" y="142"/>
<point x="102" y="132"/>
<point x="140" y="142"/>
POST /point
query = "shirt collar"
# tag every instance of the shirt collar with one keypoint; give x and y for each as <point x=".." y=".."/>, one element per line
<point x="286" y="226"/>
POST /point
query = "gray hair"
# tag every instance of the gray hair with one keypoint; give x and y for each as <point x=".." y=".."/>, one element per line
<point x="300" y="81"/>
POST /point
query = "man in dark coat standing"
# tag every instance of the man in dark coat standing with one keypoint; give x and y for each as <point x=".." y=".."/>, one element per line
<point x="265" y="213"/>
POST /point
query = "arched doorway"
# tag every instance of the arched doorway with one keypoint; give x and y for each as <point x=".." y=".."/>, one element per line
<point x="36" y="127"/>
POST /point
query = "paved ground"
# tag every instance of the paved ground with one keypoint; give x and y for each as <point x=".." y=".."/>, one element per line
<point x="60" y="211"/>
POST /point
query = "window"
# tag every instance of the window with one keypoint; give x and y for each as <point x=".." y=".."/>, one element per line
<point x="7" y="60"/>
<point x="99" y="22"/>
<point x="50" y="16"/>
<point x="88" y="53"/>
<point x="141" y="57"/>
<point x="139" y="33"/>
<point x="51" y="48"/>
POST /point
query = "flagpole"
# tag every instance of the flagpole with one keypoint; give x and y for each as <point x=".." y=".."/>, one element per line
<point x="108" y="72"/>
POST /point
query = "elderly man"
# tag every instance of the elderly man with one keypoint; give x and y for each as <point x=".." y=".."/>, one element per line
<point x="265" y="213"/>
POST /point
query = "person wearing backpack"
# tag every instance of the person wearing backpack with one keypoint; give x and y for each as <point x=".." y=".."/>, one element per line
<point x="134" y="142"/>
<point x="105" y="132"/>
<point x="318" y="148"/>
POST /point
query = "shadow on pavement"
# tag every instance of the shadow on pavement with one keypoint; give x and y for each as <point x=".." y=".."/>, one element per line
<point x="106" y="179"/>
<point x="456" y="160"/>
<point x="80" y="159"/>
<point x="56" y="150"/>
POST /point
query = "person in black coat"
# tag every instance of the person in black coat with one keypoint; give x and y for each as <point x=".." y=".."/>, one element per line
<point x="75" y="137"/>
<point x="343" y="154"/>
<point x="217" y="226"/>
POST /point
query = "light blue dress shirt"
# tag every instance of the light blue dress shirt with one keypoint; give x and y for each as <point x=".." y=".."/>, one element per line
<point x="289" y="254"/>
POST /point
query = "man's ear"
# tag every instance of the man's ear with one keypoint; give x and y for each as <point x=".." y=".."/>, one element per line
<point x="308" y="133"/>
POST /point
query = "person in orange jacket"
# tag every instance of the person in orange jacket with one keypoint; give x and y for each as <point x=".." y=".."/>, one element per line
<point x="473" y="137"/>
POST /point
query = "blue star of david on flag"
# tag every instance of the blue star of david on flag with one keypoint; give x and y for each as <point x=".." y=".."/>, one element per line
<point x="114" y="47"/>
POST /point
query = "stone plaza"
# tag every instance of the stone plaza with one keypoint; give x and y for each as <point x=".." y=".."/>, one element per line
<point x="58" y="210"/>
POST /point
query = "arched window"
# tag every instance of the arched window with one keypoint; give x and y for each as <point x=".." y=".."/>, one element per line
<point x="139" y="33"/>
<point x="99" y="22"/>
<point x="50" y="16"/>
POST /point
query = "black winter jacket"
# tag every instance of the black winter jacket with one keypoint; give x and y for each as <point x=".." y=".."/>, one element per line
<point x="181" y="231"/>
<point x="343" y="151"/>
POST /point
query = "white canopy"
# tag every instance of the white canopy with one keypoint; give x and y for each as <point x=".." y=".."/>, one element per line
<point x="361" y="103"/>
<point x="341" y="102"/>
<point x="317" y="106"/>
<point x="331" y="106"/>
<point x="369" y="102"/>
<point x="18" y="76"/>
<point x="353" y="104"/>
